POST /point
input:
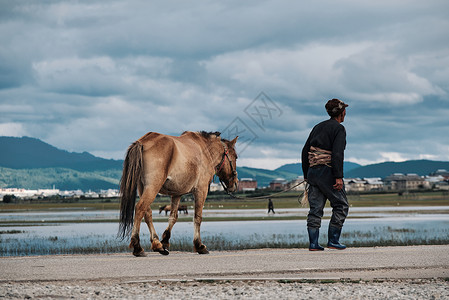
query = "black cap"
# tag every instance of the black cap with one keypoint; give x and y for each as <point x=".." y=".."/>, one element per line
<point x="335" y="107"/>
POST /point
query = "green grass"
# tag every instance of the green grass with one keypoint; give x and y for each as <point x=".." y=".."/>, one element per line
<point x="287" y="200"/>
<point x="11" y="231"/>
<point x="184" y="244"/>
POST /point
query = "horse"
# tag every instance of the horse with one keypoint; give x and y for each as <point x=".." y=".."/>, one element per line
<point x="167" y="208"/>
<point x="173" y="166"/>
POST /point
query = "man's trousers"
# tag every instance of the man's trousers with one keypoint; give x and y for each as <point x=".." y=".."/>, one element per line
<point x="321" y="181"/>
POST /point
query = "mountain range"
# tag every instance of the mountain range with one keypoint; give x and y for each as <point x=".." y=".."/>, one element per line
<point x="31" y="163"/>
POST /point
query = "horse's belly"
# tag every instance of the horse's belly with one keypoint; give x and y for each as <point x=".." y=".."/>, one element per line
<point x="175" y="187"/>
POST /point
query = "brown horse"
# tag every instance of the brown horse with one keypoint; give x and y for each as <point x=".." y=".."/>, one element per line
<point x="167" y="208"/>
<point x="173" y="166"/>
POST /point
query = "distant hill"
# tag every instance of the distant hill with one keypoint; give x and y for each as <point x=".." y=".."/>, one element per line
<point x="30" y="163"/>
<point x="297" y="168"/>
<point x="264" y="177"/>
<point x="60" y="178"/>
<point x="382" y="170"/>
<point x="30" y="153"/>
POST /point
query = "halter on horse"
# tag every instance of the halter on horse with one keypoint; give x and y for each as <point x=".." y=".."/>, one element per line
<point x="173" y="166"/>
<point x="220" y="166"/>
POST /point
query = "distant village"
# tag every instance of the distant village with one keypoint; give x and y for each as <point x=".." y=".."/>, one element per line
<point x="397" y="182"/>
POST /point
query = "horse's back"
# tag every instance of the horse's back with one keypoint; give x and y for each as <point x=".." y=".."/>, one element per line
<point x="157" y="141"/>
<point x="154" y="141"/>
<point x="172" y="161"/>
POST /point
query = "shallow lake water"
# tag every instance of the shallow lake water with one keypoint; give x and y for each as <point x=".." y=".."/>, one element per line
<point x="95" y="215"/>
<point x="368" y="226"/>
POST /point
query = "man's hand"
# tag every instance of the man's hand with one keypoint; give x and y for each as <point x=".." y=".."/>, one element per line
<point x="338" y="184"/>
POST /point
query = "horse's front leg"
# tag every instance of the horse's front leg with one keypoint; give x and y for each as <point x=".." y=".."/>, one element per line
<point x="200" y="198"/>
<point x="171" y="221"/>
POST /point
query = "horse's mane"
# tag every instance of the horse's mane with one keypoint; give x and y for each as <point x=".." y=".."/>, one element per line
<point x="207" y="134"/>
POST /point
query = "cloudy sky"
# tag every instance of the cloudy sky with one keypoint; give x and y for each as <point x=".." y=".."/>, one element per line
<point x="96" y="75"/>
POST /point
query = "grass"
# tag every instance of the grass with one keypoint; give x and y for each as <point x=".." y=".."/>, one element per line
<point x="287" y="200"/>
<point x="58" y="245"/>
<point x="11" y="231"/>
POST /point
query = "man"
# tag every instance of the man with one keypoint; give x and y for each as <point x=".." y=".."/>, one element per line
<point x="322" y="164"/>
<point x="270" y="206"/>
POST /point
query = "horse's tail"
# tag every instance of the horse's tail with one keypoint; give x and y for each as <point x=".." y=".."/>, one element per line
<point x="131" y="178"/>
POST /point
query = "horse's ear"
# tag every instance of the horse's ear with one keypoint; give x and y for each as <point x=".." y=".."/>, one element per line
<point x="232" y="143"/>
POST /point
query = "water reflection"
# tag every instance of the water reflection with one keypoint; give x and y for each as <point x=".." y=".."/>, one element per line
<point x="95" y="215"/>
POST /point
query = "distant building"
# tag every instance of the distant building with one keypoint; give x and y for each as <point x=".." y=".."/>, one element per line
<point x="247" y="184"/>
<point x="354" y="184"/>
<point x="437" y="181"/>
<point x="213" y="187"/>
<point x="363" y="185"/>
<point x="401" y="182"/>
<point x="72" y="194"/>
<point x="296" y="181"/>
<point x="91" y="194"/>
<point x="441" y="172"/>
<point x="28" y="194"/>
<point x="374" y="184"/>
<point x="278" y="184"/>
<point x="110" y="193"/>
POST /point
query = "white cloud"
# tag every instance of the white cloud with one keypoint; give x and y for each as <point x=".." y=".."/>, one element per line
<point x="379" y="73"/>
<point x="301" y="71"/>
<point x="392" y="156"/>
<point x="12" y="129"/>
<point x="266" y="163"/>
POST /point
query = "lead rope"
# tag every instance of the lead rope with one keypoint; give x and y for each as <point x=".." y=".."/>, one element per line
<point x="303" y="201"/>
<point x="305" y="196"/>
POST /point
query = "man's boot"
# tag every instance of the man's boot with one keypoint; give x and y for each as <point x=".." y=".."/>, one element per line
<point x="333" y="237"/>
<point x="314" y="233"/>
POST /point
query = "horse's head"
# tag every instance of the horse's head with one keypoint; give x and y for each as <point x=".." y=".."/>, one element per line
<point x="227" y="169"/>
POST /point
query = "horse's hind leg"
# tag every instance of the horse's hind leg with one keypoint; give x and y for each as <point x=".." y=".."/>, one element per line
<point x="135" y="238"/>
<point x="171" y="221"/>
<point x="146" y="198"/>
<point x="154" y="238"/>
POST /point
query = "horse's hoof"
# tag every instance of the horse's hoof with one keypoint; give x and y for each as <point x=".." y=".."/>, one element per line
<point x="163" y="251"/>
<point x="140" y="254"/>
<point x="165" y="245"/>
<point x="203" y="250"/>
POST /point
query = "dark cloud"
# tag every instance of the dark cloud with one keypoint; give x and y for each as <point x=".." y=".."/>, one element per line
<point x="94" y="76"/>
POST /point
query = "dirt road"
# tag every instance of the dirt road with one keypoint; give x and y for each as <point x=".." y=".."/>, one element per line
<point x="411" y="262"/>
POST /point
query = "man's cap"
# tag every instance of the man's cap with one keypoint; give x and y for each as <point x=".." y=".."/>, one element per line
<point x="335" y="107"/>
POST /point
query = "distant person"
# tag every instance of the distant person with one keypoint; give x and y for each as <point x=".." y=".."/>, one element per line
<point x="270" y="206"/>
<point x="322" y="164"/>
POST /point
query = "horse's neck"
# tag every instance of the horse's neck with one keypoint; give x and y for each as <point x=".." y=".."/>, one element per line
<point x="215" y="150"/>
